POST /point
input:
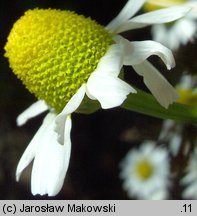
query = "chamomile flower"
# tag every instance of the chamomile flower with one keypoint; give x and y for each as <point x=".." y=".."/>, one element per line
<point x="171" y="131"/>
<point x="145" y="172"/>
<point x="190" y="179"/>
<point x="179" y="32"/>
<point x="61" y="57"/>
<point x="187" y="90"/>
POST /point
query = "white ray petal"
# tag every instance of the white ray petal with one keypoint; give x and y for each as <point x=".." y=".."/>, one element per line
<point x="159" y="194"/>
<point x="33" y="146"/>
<point x="163" y="4"/>
<point x="165" y="35"/>
<point x="157" y="84"/>
<point x="137" y="52"/>
<point x="51" y="161"/>
<point x="190" y="192"/>
<point x="70" y="107"/>
<point x="155" y="17"/>
<point x="32" y="111"/>
<point x="130" y="8"/>
<point x="75" y="101"/>
<point x="112" y="62"/>
<point x="184" y="30"/>
<point x="175" y="143"/>
<point x="193" y="5"/>
<point x="110" y="91"/>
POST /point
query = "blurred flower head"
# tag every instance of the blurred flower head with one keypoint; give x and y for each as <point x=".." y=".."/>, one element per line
<point x="145" y="172"/>
<point x="190" y="178"/>
<point x="171" y="131"/>
<point x="179" y="32"/>
<point x="187" y="90"/>
<point x="61" y="56"/>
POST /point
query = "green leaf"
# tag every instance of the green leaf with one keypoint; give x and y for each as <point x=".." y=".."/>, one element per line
<point x="145" y="103"/>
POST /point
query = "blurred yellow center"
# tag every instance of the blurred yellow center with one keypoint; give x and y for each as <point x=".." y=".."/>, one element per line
<point x="54" y="52"/>
<point x="187" y="96"/>
<point x="144" y="169"/>
<point x="151" y="5"/>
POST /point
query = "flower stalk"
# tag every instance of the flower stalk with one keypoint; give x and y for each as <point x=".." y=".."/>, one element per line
<point x="145" y="103"/>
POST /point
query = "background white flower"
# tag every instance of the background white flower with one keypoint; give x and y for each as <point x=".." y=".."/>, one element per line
<point x="172" y="131"/>
<point x="190" y="178"/>
<point x="179" y="32"/>
<point x="145" y="172"/>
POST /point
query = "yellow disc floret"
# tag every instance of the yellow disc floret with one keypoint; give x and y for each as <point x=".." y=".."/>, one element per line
<point x="144" y="169"/>
<point x="151" y="5"/>
<point x="54" y="52"/>
<point x="187" y="96"/>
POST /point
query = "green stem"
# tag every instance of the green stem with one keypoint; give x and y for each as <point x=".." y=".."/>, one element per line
<point x="145" y="103"/>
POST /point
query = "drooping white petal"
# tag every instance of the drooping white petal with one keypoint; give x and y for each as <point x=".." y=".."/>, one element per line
<point x="154" y="17"/>
<point x="51" y="161"/>
<point x="75" y="101"/>
<point x="70" y="107"/>
<point x="103" y="84"/>
<point x="109" y="90"/>
<point x="32" y="148"/>
<point x="131" y="7"/>
<point x="157" y="84"/>
<point x="32" y="111"/>
<point x="137" y="52"/>
<point x="112" y="62"/>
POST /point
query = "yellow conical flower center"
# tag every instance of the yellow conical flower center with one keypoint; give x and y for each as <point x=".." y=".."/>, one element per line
<point x="187" y="96"/>
<point x="54" y="52"/>
<point x="144" y="169"/>
<point x="151" y="5"/>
